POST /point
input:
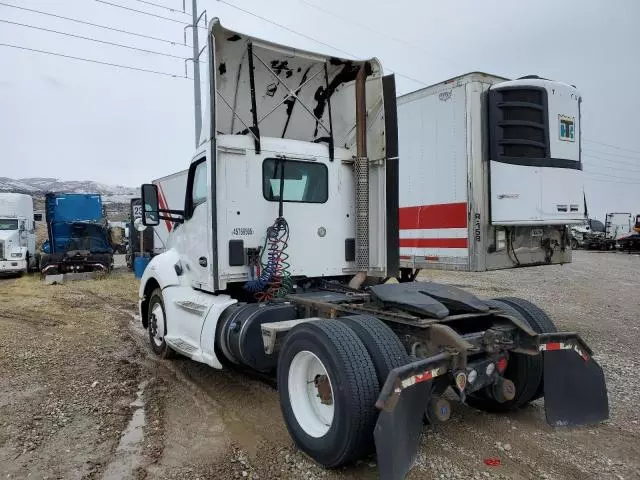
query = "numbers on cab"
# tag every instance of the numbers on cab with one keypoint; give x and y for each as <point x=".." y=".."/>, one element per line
<point x="242" y="231"/>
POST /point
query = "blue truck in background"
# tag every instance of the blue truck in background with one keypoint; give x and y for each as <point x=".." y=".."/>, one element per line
<point x="78" y="234"/>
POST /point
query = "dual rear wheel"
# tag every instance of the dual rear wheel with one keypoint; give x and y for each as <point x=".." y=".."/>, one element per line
<point x="525" y="371"/>
<point x="329" y="377"/>
<point x="330" y="373"/>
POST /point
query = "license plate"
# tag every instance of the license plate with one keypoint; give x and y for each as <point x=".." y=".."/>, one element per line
<point x="536" y="232"/>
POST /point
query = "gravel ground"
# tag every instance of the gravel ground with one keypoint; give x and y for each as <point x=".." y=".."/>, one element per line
<point x="81" y="396"/>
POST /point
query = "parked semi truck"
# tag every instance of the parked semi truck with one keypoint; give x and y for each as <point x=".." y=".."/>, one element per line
<point x="491" y="173"/>
<point x="288" y="232"/>
<point x="171" y="191"/>
<point x="78" y="234"/>
<point x="133" y="235"/>
<point x="17" y="234"/>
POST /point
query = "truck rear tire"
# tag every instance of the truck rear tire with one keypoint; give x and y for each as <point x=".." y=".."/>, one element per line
<point x="525" y="371"/>
<point x="157" y="320"/>
<point x="328" y="386"/>
<point x="384" y="347"/>
<point x="537" y="319"/>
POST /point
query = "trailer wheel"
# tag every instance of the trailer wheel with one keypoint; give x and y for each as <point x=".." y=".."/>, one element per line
<point x="157" y="325"/>
<point x="328" y="387"/>
<point x="525" y="371"/>
<point x="385" y="348"/>
<point x="574" y="244"/>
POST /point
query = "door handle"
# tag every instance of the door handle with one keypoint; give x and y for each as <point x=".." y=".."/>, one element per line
<point x="202" y="261"/>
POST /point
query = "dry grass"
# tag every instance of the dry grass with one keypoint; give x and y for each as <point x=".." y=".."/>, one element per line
<point x="30" y="295"/>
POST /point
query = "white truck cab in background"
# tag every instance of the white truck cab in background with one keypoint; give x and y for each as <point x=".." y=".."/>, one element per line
<point x="17" y="233"/>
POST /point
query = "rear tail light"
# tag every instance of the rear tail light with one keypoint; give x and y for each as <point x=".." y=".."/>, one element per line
<point x="501" y="364"/>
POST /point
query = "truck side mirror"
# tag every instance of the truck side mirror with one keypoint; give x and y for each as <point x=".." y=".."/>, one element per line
<point x="37" y="217"/>
<point x="150" y="216"/>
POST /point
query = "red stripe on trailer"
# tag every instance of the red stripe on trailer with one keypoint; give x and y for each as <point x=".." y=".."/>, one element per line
<point x="405" y="257"/>
<point x="434" y="242"/>
<point x="553" y="346"/>
<point x="432" y="258"/>
<point x="445" y="215"/>
<point x="162" y="202"/>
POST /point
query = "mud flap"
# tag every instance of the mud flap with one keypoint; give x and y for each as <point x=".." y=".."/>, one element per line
<point x="402" y="403"/>
<point x="397" y="433"/>
<point x="575" y="392"/>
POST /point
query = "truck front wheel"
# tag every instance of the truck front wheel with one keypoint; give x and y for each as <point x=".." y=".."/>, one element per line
<point x="157" y="325"/>
<point x="328" y="387"/>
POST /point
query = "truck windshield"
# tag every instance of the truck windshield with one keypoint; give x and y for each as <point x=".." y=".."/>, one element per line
<point x="8" y="224"/>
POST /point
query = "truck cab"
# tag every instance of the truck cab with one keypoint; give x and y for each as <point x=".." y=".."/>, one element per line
<point x="17" y="233"/>
<point x="78" y="234"/>
<point x="285" y="148"/>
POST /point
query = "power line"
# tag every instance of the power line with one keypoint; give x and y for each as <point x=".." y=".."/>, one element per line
<point x="630" y="168"/>
<point x="376" y="31"/>
<point x="604" y="159"/>
<point x="92" y="39"/>
<point x="612" y="160"/>
<point x="612" y="146"/>
<point x="612" y="176"/>
<point x="611" y="181"/>
<point x="93" y="24"/>
<point x="161" y="6"/>
<point x="127" y="67"/>
<point x="614" y="154"/>
<point x="304" y="35"/>
<point x="142" y="12"/>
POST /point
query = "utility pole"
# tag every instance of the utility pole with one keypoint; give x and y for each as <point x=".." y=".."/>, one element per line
<point x="196" y="71"/>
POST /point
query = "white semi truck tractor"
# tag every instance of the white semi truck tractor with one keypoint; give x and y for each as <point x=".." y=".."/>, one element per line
<point x="17" y="234"/>
<point x="284" y="257"/>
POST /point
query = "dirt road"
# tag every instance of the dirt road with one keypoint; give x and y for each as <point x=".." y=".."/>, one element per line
<point x="81" y="396"/>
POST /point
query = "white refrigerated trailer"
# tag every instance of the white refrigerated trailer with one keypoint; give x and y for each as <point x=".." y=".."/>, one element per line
<point x="490" y="173"/>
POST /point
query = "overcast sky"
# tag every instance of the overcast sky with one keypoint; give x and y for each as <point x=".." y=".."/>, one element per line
<point x="81" y="121"/>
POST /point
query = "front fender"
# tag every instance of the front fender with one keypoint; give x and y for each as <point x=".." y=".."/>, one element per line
<point x="162" y="268"/>
<point x="162" y="272"/>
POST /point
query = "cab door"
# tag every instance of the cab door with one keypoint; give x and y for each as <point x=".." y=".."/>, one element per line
<point x="195" y="236"/>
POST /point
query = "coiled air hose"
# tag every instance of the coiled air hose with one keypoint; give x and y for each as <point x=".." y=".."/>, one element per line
<point x="274" y="280"/>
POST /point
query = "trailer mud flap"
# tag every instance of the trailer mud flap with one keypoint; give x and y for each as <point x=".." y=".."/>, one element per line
<point x="402" y="403"/>
<point x="575" y="392"/>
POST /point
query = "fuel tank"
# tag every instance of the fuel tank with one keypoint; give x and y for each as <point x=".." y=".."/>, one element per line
<point x="239" y="336"/>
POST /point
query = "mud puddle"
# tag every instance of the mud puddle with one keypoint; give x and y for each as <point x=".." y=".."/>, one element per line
<point x="129" y="453"/>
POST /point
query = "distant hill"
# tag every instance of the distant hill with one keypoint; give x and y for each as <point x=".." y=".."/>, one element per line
<point x="115" y="197"/>
<point x="38" y="186"/>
